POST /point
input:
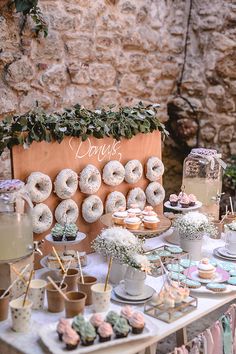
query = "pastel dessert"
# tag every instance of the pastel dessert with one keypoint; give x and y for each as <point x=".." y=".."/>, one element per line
<point x="192" y="199"/>
<point x="70" y="231"/>
<point x="105" y="332"/>
<point x="192" y="284"/>
<point x="184" y="201"/>
<point x="112" y="317"/>
<point x="61" y="327"/>
<point x="119" y="216"/>
<point x="174" y="250"/>
<point x="175" y="268"/>
<point x="173" y="199"/>
<point x="78" y="323"/>
<point x="134" y="209"/>
<point x="87" y="334"/>
<point x="151" y="221"/>
<point x="121" y="328"/>
<point x="153" y="258"/>
<point x="132" y="222"/>
<point x="232" y="281"/>
<point x="205" y="269"/>
<point x="216" y="287"/>
<point x="57" y="232"/>
<point x="169" y="300"/>
<point x="147" y="210"/>
<point x="126" y="312"/>
<point x="96" y="320"/>
<point x="232" y="272"/>
<point x="181" y="195"/>
<point x="186" y="263"/>
<point x="163" y="253"/>
<point x="226" y="266"/>
<point x="70" y="338"/>
<point x="177" y="276"/>
<point x="137" y="322"/>
<point x="157" y="299"/>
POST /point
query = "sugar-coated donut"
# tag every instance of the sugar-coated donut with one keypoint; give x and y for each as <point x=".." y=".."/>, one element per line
<point x="92" y="208"/>
<point x="39" y="186"/>
<point x="67" y="212"/>
<point x="114" y="201"/>
<point x="155" y="193"/>
<point x="113" y="173"/>
<point x="66" y="183"/>
<point x="133" y="171"/>
<point x="154" y="169"/>
<point x="41" y="218"/>
<point x="90" y="180"/>
<point x="136" y="196"/>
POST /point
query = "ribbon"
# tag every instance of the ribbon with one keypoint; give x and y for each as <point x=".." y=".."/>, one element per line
<point x="16" y="197"/>
<point x="212" y="159"/>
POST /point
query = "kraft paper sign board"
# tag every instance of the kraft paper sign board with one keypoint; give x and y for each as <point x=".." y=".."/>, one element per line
<point x="51" y="158"/>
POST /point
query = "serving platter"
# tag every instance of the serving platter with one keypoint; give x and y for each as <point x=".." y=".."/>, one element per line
<point x="221" y="275"/>
<point x="163" y="226"/>
<point x="180" y="208"/>
<point x="80" y="237"/>
<point x="49" y="337"/>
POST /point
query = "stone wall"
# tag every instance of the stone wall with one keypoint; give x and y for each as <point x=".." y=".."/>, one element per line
<point x="122" y="51"/>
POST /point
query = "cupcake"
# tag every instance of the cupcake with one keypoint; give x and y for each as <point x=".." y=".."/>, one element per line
<point x="105" y="332"/>
<point x="121" y="328"/>
<point x="184" y="202"/>
<point x="192" y="199"/>
<point x="151" y="221"/>
<point x="87" y="334"/>
<point x="147" y="210"/>
<point x="137" y="323"/>
<point x="78" y="323"/>
<point x="205" y="269"/>
<point x="132" y="222"/>
<point x="173" y="199"/>
<point x="126" y="312"/>
<point x="182" y="195"/>
<point x="112" y="317"/>
<point x="61" y="327"/>
<point x="70" y="338"/>
<point x="119" y="216"/>
<point x="57" y="232"/>
<point x="70" y="232"/>
<point x="134" y="209"/>
<point x="96" y="320"/>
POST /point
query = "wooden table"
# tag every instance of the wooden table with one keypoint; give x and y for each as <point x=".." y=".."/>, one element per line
<point x="29" y="343"/>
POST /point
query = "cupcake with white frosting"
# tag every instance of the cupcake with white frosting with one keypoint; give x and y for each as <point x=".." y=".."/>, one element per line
<point x="134" y="209"/>
<point x="151" y="220"/>
<point x="132" y="222"/>
<point x="119" y="216"/>
<point x="205" y="269"/>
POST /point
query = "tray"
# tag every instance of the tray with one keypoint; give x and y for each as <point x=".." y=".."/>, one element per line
<point x="184" y="210"/>
<point x="49" y="336"/>
<point x="80" y="237"/>
<point x="163" y="225"/>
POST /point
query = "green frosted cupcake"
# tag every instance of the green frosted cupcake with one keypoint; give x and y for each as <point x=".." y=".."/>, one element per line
<point x="78" y="323"/>
<point x="87" y="334"/>
<point x="121" y="328"/>
<point x="57" y="232"/>
<point x="70" y="232"/>
<point x="112" y="317"/>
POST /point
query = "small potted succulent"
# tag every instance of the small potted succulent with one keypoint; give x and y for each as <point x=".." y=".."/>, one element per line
<point x="192" y="227"/>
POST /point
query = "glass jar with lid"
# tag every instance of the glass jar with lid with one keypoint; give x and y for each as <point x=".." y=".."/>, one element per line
<point x="202" y="176"/>
<point x="16" y="231"/>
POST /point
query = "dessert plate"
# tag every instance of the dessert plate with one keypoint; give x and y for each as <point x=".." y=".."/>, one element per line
<point x="80" y="237"/>
<point x="220" y="275"/>
<point x="224" y="252"/>
<point x="179" y="208"/>
<point x="116" y="298"/>
<point x="120" y="291"/>
<point x="217" y="254"/>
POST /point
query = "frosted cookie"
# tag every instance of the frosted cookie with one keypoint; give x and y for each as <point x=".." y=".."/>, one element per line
<point x="186" y="263"/>
<point x="232" y="281"/>
<point x="232" y="272"/>
<point x="175" y="268"/>
<point x="216" y="287"/>
<point x="174" y="249"/>
<point x="226" y="266"/>
<point x="163" y="253"/>
<point x="177" y="276"/>
<point x="192" y="284"/>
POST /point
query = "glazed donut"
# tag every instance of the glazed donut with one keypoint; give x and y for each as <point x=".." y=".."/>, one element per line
<point x="155" y="193"/>
<point x="90" y="180"/>
<point x="113" y="173"/>
<point x="66" y="183"/>
<point x="115" y="201"/>
<point x="39" y="186"/>
<point x="136" y="196"/>
<point x="92" y="208"/>
<point x="41" y="218"/>
<point x="133" y="171"/>
<point x="67" y="212"/>
<point x="154" y="169"/>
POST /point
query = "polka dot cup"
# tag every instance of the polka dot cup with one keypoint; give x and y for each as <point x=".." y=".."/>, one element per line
<point x="21" y="316"/>
<point x="37" y="293"/>
<point x="101" y="298"/>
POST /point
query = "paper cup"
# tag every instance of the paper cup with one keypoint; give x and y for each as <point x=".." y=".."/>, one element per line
<point x="101" y="298"/>
<point x="71" y="279"/>
<point x="56" y="302"/>
<point x="86" y="287"/>
<point x="37" y="293"/>
<point x="21" y="316"/>
<point x="75" y="303"/>
<point x="4" y="305"/>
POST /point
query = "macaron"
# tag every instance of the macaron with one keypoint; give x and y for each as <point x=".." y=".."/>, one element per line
<point x="192" y="284"/>
<point x="216" y="287"/>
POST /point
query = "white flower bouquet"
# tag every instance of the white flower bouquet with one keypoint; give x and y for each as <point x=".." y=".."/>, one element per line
<point x="118" y="243"/>
<point x="194" y="225"/>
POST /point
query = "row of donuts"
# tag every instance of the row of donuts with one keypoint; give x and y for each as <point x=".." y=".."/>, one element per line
<point x="92" y="206"/>
<point x="39" y="185"/>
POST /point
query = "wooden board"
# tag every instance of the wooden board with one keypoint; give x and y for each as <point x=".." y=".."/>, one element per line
<point x="51" y="158"/>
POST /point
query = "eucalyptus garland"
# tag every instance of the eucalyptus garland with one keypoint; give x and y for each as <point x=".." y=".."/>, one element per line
<point x="37" y="125"/>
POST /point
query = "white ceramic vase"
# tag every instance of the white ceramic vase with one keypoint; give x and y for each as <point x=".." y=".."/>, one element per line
<point x="117" y="272"/>
<point x="193" y="247"/>
<point x="134" y="281"/>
